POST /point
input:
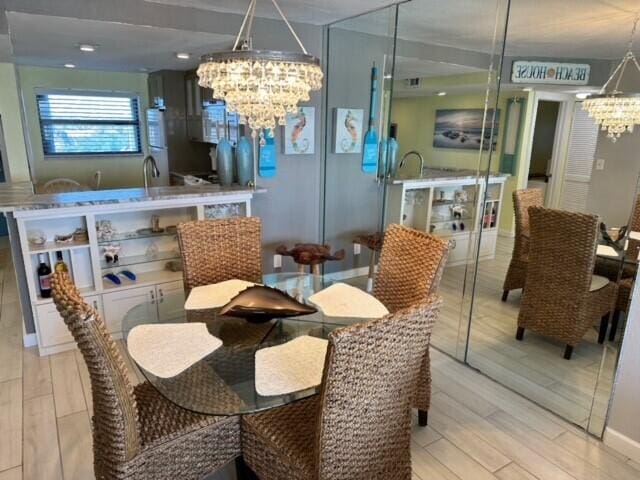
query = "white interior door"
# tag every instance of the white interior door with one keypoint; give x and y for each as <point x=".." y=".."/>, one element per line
<point x="580" y="157"/>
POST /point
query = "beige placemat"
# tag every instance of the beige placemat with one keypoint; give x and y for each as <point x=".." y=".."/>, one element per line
<point x="167" y="349"/>
<point x="342" y="300"/>
<point x="291" y="367"/>
<point x="215" y="295"/>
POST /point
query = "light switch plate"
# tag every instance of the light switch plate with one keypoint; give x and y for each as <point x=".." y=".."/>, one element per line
<point x="600" y="164"/>
<point x="277" y="261"/>
<point x="356" y="249"/>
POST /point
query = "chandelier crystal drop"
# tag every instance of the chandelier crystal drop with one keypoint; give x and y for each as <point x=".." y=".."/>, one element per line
<point x="260" y="85"/>
<point x="616" y="112"/>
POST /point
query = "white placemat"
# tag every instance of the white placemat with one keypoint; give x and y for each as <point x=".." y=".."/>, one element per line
<point x="342" y="300"/>
<point x="291" y="367"/>
<point x="167" y="349"/>
<point x="215" y="295"/>
<point x="634" y="235"/>
<point x="607" y="251"/>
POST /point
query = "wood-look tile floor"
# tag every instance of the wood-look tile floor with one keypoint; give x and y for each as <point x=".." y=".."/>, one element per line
<point x="478" y="430"/>
<point x="534" y="367"/>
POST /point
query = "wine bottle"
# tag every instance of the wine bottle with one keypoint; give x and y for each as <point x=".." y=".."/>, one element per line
<point x="44" y="277"/>
<point x="60" y="266"/>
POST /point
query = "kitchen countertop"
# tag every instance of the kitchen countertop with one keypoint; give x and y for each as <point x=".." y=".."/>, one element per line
<point x="445" y="175"/>
<point x="16" y="200"/>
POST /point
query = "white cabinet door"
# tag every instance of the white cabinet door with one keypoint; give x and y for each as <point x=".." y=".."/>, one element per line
<point x="119" y="304"/>
<point x="51" y="327"/>
<point x="170" y="301"/>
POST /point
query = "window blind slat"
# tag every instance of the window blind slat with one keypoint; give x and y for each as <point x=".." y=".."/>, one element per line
<point x="73" y="124"/>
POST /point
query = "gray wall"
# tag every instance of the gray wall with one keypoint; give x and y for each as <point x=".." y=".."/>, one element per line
<point x="611" y="193"/>
<point x="290" y="210"/>
<point x="353" y="199"/>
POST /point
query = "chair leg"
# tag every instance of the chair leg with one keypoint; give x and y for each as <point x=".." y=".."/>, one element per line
<point x="505" y="294"/>
<point x="520" y="333"/>
<point x="604" y="324"/>
<point x="243" y="472"/>
<point x="614" y="325"/>
<point x="568" y="351"/>
<point x="423" y="417"/>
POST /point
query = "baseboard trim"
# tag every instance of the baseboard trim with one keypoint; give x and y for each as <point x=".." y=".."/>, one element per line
<point x="346" y="274"/>
<point x="30" y="340"/>
<point x="622" y="444"/>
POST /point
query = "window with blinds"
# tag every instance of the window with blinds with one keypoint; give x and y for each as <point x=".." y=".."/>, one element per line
<point x="89" y="124"/>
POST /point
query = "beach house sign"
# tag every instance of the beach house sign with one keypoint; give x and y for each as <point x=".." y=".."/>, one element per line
<point x="555" y="73"/>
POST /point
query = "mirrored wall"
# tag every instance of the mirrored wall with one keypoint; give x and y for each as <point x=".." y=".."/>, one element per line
<point x="465" y="148"/>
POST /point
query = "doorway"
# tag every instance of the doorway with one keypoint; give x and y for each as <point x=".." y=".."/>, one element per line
<point x="544" y="134"/>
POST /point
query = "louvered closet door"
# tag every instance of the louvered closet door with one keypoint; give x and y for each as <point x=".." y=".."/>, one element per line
<point x="582" y="149"/>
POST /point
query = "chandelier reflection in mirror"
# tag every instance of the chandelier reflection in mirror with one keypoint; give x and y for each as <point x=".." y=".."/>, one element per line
<point x="617" y="112"/>
<point x="261" y="85"/>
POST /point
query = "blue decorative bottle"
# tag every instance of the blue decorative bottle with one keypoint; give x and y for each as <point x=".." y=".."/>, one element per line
<point x="389" y="158"/>
<point x="244" y="161"/>
<point x="392" y="157"/>
<point x="224" y="162"/>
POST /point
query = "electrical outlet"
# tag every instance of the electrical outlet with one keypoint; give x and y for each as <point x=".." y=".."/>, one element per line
<point x="600" y="164"/>
<point x="277" y="261"/>
<point x="356" y="249"/>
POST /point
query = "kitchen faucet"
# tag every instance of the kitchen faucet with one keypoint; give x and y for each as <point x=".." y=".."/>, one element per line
<point x="419" y="155"/>
<point x="155" y="171"/>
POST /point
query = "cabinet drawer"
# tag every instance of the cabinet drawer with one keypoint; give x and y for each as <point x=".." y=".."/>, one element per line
<point x="51" y="327"/>
<point x="488" y="244"/>
<point x="117" y="305"/>
<point x="458" y="248"/>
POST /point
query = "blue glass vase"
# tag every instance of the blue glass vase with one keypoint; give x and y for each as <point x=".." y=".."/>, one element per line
<point x="244" y="161"/>
<point x="392" y="157"/>
<point x="224" y="162"/>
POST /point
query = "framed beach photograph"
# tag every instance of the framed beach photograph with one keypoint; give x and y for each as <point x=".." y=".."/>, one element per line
<point x="299" y="132"/>
<point x="462" y="128"/>
<point x="348" y="130"/>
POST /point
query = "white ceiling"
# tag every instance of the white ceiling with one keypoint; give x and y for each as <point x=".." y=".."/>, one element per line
<point x="415" y="67"/>
<point x="52" y="41"/>
<point x="550" y="28"/>
<point x="316" y="12"/>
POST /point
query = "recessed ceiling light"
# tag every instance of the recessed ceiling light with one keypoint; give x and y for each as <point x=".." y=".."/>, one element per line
<point x="143" y="69"/>
<point x="441" y="94"/>
<point x="69" y="65"/>
<point x="86" y="47"/>
<point x="183" y="56"/>
<point x="582" y="95"/>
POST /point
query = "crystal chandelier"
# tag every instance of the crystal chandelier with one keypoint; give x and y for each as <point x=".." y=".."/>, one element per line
<point x="260" y="85"/>
<point x="615" y="111"/>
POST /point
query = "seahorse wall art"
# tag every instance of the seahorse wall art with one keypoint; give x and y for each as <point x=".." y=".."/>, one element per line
<point x="348" y="128"/>
<point x="299" y="132"/>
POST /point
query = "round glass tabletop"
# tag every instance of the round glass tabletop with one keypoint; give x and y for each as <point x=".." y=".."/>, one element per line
<point x="223" y="383"/>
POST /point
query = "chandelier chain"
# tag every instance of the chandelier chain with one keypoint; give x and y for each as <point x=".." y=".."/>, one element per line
<point x="633" y="31"/>
<point x="247" y="24"/>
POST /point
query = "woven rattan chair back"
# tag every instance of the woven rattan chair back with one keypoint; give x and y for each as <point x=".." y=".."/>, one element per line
<point x="561" y="260"/>
<point x="369" y="380"/>
<point x="410" y="268"/>
<point x="522" y="200"/>
<point x="217" y="250"/>
<point x="116" y="436"/>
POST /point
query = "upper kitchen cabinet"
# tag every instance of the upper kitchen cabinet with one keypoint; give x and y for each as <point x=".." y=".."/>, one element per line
<point x="195" y="97"/>
<point x="156" y="90"/>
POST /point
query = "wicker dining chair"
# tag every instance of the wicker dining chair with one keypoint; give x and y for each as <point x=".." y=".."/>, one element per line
<point x="137" y="433"/>
<point x="359" y="426"/>
<point x="217" y="250"/>
<point x="517" y="272"/>
<point x="563" y="299"/>
<point x="410" y="269"/>
<point x="625" y="290"/>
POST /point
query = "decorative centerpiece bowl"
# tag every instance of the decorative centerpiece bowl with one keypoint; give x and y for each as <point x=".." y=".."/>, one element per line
<point x="259" y="304"/>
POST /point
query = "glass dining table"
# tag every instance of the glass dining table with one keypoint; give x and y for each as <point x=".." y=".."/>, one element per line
<point x="223" y="382"/>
